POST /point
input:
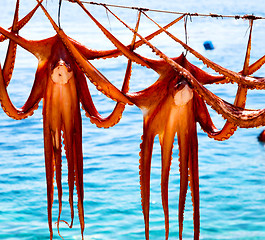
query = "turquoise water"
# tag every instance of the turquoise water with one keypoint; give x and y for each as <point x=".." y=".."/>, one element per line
<point x="232" y="173"/>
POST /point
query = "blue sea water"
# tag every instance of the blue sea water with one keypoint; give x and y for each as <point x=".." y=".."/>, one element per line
<point x="232" y="173"/>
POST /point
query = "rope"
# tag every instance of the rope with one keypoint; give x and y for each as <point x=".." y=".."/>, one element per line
<point x="213" y="15"/>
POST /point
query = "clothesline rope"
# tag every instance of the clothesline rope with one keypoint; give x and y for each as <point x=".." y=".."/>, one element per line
<point x="213" y="15"/>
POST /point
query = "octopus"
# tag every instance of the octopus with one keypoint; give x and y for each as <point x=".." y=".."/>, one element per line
<point x="172" y="105"/>
<point x="62" y="86"/>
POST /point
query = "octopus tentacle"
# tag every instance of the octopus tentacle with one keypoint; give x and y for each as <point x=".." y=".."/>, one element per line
<point x="68" y="140"/>
<point x="194" y="182"/>
<point x="256" y="65"/>
<point x="11" y="52"/>
<point x="116" y="115"/>
<point x="240" y="99"/>
<point x="202" y="76"/>
<point x="91" y="72"/>
<point x="194" y="176"/>
<point x="85" y="96"/>
<point x="78" y="167"/>
<point x="31" y="104"/>
<point x="245" y="118"/>
<point x="91" y="111"/>
<point x="183" y="169"/>
<point x="145" y="169"/>
<point x="49" y="166"/>
<point x="166" y="141"/>
<point x="56" y="136"/>
<point x="203" y="117"/>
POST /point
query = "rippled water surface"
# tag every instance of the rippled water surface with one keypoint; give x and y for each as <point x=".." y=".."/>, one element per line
<point x="232" y="173"/>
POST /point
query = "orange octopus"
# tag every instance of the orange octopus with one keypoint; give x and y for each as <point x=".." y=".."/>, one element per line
<point x="173" y="104"/>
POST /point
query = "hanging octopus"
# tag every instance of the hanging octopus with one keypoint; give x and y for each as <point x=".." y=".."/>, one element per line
<point x="173" y="104"/>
